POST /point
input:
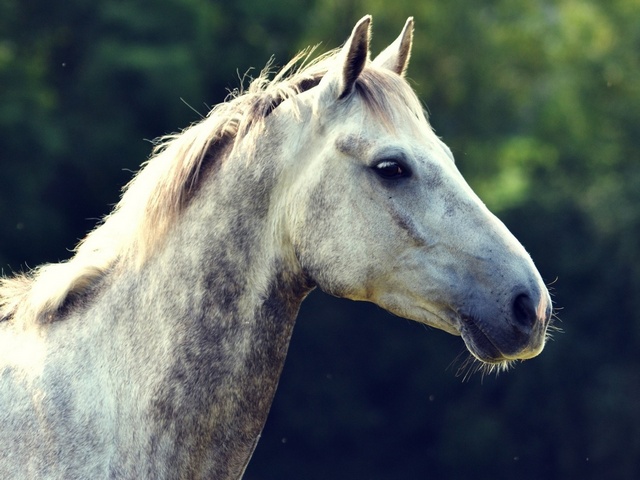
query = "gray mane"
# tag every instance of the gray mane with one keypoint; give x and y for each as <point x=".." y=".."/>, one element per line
<point x="157" y="194"/>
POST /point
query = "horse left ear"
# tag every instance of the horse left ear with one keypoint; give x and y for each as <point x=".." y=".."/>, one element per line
<point x="396" y="56"/>
<point x="351" y="60"/>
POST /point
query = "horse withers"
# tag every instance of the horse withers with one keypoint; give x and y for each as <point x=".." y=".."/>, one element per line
<point x="155" y="351"/>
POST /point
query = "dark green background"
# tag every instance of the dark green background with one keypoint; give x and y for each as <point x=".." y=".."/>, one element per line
<point x="540" y="103"/>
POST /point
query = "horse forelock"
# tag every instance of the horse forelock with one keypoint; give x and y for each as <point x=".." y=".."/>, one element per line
<point x="388" y="97"/>
<point x="157" y="194"/>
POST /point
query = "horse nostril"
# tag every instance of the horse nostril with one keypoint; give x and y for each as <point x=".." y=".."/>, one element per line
<point x="524" y="312"/>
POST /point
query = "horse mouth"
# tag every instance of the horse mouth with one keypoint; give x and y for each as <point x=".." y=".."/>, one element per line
<point x="477" y="341"/>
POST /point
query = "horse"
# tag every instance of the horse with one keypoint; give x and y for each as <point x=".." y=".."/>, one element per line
<point x="155" y="351"/>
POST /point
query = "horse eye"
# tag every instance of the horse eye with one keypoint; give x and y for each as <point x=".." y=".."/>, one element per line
<point x="391" y="169"/>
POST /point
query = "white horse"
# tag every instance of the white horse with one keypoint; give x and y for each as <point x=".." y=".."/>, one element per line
<point x="156" y="350"/>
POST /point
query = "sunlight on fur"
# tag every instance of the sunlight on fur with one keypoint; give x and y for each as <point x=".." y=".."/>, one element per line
<point x="160" y="190"/>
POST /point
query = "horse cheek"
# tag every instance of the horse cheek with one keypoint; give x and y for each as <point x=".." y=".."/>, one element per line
<point x="329" y="247"/>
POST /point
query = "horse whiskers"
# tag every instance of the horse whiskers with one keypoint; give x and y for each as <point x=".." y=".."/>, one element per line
<point x="553" y="327"/>
<point x="470" y="365"/>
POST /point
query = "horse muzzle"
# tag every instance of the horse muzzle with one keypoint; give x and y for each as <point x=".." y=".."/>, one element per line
<point x="514" y="333"/>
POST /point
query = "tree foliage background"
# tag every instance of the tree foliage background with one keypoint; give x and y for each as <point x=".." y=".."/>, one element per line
<point x="539" y="101"/>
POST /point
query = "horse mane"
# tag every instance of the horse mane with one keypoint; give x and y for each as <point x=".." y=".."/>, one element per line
<point x="160" y="190"/>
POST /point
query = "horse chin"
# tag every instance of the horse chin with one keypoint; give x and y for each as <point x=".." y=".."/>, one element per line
<point x="478" y="343"/>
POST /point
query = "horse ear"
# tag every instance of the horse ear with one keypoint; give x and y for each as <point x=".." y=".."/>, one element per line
<point x="396" y="56"/>
<point x="351" y="60"/>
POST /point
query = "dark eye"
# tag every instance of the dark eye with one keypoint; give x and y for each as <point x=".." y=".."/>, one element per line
<point x="391" y="169"/>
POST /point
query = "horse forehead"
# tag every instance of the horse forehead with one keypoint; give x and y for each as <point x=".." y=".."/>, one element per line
<point x="361" y="129"/>
<point x="420" y="143"/>
<point x="354" y="145"/>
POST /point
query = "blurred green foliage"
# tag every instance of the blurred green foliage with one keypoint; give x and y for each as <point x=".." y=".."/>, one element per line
<point x="540" y="103"/>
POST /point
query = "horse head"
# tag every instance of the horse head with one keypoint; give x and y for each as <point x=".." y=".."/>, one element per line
<point x="379" y="212"/>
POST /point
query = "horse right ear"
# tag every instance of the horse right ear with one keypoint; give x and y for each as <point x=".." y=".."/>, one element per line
<point x="350" y="61"/>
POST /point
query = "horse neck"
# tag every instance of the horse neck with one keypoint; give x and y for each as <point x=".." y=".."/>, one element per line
<point x="223" y="292"/>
